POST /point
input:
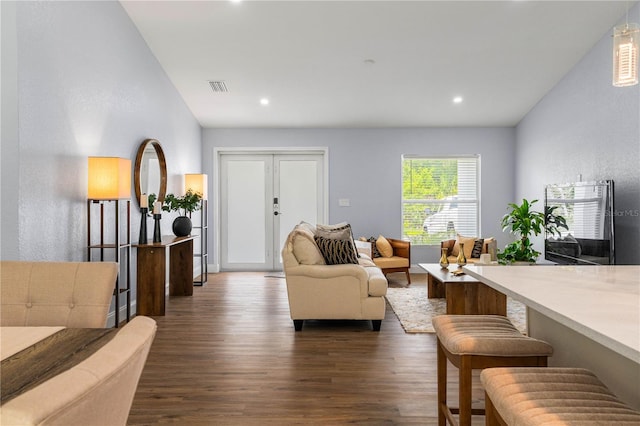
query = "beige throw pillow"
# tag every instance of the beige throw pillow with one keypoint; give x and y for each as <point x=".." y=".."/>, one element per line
<point x="340" y="231"/>
<point x="468" y="246"/>
<point x="384" y="247"/>
<point x="307" y="227"/>
<point x="305" y="248"/>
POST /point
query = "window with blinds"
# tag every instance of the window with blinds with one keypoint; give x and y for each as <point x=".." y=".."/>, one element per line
<point x="440" y="198"/>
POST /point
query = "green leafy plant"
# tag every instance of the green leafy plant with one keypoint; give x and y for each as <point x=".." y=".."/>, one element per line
<point x="187" y="203"/>
<point x="523" y="222"/>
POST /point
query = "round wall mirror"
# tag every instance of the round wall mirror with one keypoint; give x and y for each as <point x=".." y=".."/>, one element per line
<point x="150" y="174"/>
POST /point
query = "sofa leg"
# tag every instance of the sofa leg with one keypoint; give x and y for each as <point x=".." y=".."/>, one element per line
<point x="297" y="324"/>
<point x="376" y="324"/>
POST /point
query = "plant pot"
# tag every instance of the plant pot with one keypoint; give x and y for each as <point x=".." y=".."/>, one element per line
<point x="182" y="226"/>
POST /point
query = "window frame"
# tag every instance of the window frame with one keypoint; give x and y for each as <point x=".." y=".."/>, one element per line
<point x="476" y="200"/>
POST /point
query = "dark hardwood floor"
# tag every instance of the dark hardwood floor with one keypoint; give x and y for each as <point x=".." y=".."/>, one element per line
<point x="229" y="355"/>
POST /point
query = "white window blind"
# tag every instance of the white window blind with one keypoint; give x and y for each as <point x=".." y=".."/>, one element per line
<point x="440" y="198"/>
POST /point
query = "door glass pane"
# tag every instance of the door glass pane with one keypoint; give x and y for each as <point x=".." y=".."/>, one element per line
<point x="246" y="232"/>
<point x="298" y="195"/>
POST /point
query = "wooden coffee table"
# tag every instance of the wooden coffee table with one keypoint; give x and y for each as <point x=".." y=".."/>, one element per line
<point x="465" y="295"/>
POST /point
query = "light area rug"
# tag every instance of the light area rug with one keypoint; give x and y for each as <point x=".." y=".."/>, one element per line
<point x="415" y="310"/>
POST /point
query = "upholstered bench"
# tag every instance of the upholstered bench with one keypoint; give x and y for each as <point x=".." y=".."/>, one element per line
<point x="551" y="396"/>
<point x="475" y="342"/>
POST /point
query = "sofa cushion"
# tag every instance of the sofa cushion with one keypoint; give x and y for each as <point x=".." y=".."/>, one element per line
<point x="307" y="227"/>
<point x="477" y="248"/>
<point x="336" y="252"/>
<point x="339" y="231"/>
<point x="384" y="246"/>
<point x="305" y="248"/>
<point x="365" y="260"/>
<point x="392" y="262"/>
<point x="468" y="245"/>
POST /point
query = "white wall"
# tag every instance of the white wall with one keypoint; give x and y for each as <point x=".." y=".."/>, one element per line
<point x="87" y="85"/>
<point x="585" y="126"/>
<point x="365" y="166"/>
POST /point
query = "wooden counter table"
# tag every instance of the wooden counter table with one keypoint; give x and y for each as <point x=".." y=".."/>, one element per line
<point x="589" y="314"/>
<point x="151" y="274"/>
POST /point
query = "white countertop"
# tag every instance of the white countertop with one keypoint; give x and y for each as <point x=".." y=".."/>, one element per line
<point x="601" y="302"/>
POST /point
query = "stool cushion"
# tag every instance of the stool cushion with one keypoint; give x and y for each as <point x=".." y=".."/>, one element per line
<point x="489" y="335"/>
<point x="553" y="396"/>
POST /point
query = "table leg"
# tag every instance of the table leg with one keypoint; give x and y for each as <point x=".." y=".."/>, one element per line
<point x="474" y="298"/>
<point x="181" y="269"/>
<point x="491" y="301"/>
<point x="435" y="288"/>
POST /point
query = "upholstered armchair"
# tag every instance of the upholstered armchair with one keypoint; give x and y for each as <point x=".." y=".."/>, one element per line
<point x="339" y="291"/>
<point x="389" y="254"/>
<point x="99" y="390"/>
<point x="68" y="294"/>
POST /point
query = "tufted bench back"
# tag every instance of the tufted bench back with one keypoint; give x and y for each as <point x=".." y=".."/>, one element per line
<point x="70" y="294"/>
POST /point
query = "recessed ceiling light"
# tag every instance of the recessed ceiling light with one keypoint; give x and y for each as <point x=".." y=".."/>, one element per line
<point x="457" y="100"/>
<point x="264" y="101"/>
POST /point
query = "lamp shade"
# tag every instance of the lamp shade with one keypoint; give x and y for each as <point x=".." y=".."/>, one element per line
<point x="626" y="41"/>
<point x="196" y="183"/>
<point x="109" y="178"/>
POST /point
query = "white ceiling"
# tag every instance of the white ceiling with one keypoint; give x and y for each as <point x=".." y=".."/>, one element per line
<point x="310" y="58"/>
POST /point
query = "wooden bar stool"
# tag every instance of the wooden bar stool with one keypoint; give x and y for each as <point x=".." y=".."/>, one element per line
<point x="537" y="396"/>
<point x="475" y="342"/>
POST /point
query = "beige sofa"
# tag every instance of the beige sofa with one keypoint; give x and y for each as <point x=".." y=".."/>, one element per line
<point x="489" y="246"/>
<point x="320" y="291"/>
<point x="69" y="294"/>
<point x="97" y="391"/>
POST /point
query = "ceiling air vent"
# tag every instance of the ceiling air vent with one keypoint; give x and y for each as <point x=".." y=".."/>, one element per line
<point x="218" y="86"/>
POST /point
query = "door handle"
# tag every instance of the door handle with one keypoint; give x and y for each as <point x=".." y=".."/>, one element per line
<point x="276" y="207"/>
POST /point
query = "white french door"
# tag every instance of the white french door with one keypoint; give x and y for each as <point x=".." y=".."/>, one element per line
<point x="262" y="197"/>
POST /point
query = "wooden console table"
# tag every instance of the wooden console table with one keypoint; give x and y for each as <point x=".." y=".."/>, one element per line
<point x="151" y="274"/>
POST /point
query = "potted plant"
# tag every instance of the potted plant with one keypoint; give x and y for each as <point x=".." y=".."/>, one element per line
<point x="523" y="222"/>
<point x="188" y="203"/>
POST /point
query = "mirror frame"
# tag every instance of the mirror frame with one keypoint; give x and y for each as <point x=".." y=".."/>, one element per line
<point x="163" y="169"/>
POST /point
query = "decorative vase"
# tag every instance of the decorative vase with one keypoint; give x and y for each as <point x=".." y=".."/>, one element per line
<point x="143" y="226"/>
<point x="444" y="261"/>
<point x="461" y="260"/>
<point x="182" y="226"/>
